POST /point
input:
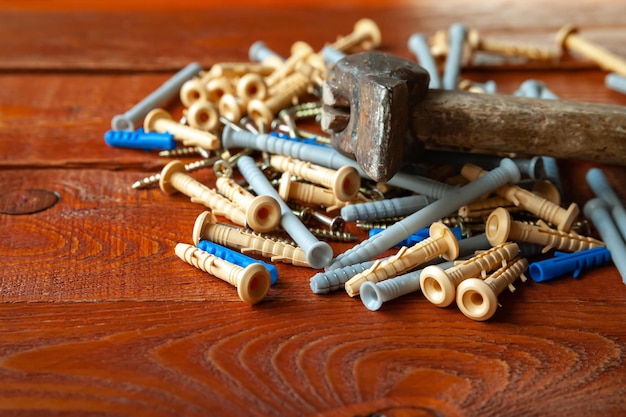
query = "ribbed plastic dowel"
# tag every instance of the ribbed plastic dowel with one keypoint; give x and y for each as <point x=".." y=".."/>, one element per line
<point x="456" y="35"/>
<point x="318" y="254"/>
<point x="391" y="207"/>
<point x="325" y="282"/>
<point x="326" y="157"/>
<point x="235" y="257"/>
<point x="601" y="187"/>
<point x="418" y="44"/>
<point x="508" y="172"/>
<point x="373" y="295"/>
<point x="597" y="210"/>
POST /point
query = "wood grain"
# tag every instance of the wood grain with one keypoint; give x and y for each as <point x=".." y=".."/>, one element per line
<point x="99" y="317"/>
<point x="208" y="363"/>
<point x="108" y="40"/>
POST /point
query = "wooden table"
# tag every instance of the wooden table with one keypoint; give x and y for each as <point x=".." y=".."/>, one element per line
<point x="100" y="318"/>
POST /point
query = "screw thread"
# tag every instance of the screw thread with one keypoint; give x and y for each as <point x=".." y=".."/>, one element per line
<point x="190" y="167"/>
<point x="516" y="49"/>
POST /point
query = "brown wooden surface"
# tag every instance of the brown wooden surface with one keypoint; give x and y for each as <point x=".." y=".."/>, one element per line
<point x="98" y="316"/>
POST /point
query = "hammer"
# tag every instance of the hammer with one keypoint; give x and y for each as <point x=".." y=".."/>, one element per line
<point x="377" y="106"/>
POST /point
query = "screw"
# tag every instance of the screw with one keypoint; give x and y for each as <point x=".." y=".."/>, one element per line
<point x="379" y="224"/>
<point x="252" y="282"/>
<point x="479" y="43"/>
<point x="155" y="178"/>
<point x="303" y="213"/>
<point x="223" y="168"/>
<point x="158" y="120"/>
<point x="185" y="151"/>
<point x="568" y="38"/>
<point x="335" y="224"/>
<point x="365" y="34"/>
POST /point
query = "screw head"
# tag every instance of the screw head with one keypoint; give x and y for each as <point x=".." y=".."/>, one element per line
<point x="337" y="224"/>
<point x="369" y="28"/>
<point x="563" y="34"/>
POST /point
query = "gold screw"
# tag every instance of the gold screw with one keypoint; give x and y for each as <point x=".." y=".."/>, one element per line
<point x="568" y="39"/>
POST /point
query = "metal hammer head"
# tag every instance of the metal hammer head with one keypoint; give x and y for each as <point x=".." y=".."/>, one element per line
<point x="367" y="103"/>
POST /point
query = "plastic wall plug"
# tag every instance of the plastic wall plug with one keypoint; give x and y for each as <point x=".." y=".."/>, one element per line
<point x="568" y="264"/>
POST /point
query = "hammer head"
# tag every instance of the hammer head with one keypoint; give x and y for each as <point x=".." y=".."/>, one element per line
<point x="367" y="103"/>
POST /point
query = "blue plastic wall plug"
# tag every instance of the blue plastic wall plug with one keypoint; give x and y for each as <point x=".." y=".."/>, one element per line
<point x="568" y="263"/>
<point x="236" y="258"/>
<point x="417" y="236"/>
<point x="139" y="139"/>
<point x="308" y="141"/>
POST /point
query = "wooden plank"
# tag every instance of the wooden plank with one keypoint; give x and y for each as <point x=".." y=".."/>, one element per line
<point x="213" y="358"/>
<point x="126" y="42"/>
<point x="104" y="241"/>
<point x="100" y="318"/>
